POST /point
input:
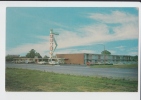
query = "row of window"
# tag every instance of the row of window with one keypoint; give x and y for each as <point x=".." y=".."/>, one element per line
<point x="106" y="60"/>
<point x="109" y="56"/>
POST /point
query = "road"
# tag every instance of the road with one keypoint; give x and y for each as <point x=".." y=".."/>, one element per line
<point x="126" y="73"/>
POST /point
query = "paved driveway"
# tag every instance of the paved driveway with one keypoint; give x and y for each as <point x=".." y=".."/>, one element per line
<point x="127" y="73"/>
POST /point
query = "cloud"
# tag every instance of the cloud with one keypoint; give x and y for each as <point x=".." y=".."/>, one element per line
<point x="39" y="47"/>
<point x="121" y="48"/>
<point x="112" y="52"/>
<point x="133" y="53"/>
<point x="133" y="49"/>
<point x="88" y="35"/>
<point x="126" y="30"/>
<point x="70" y="51"/>
<point x="114" y="17"/>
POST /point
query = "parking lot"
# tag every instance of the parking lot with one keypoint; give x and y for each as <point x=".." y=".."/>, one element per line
<point x="126" y="73"/>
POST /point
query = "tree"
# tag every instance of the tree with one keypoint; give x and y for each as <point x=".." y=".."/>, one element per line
<point x="46" y="56"/>
<point x="11" y="57"/>
<point x="106" y="52"/>
<point x="28" y="55"/>
<point x="32" y="53"/>
<point x="135" y="58"/>
<point x="37" y="54"/>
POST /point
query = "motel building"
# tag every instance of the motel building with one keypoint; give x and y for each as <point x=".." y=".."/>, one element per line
<point x="82" y="59"/>
<point x="85" y="58"/>
<point x="36" y="60"/>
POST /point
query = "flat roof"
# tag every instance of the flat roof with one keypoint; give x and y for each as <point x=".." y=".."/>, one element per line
<point x="37" y="58"/>
<point x="93" y="54"/>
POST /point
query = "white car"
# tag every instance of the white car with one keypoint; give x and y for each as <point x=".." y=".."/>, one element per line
<point x="42" y="62"/>
<point x="53" y="63"/>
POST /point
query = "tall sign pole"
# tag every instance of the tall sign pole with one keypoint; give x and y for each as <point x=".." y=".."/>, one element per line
<point x="51" y="43"/>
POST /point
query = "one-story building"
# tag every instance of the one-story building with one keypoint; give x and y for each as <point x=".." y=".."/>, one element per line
<point x="36" y="60"/>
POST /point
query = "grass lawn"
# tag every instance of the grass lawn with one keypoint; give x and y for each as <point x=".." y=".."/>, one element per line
<point x="32" y="80"/>
<point x="115" y="66"/>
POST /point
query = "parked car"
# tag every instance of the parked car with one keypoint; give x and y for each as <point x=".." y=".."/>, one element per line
<point x="53" y="62"/>
<point x="42" y="62"/>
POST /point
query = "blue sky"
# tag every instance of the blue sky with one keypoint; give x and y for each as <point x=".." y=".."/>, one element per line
<point x="81" y="29"/>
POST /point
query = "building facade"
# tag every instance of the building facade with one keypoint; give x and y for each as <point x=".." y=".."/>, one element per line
<point x="84" y="58"/>
<point x="25" y="60"/>
<point x="37" y="60"/>
<point x="72" y="58"/>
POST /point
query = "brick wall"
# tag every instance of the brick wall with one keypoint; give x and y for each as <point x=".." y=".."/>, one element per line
<point x="72" y="58"/>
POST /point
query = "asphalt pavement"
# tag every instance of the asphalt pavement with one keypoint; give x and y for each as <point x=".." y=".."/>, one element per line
<point x="126" y="73"/>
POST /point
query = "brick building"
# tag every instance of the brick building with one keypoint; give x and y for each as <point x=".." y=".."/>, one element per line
<point x="72" y="58"/>
<point x="84" y="58"/>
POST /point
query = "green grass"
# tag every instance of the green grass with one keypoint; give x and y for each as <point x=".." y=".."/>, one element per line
<point x="115" y="66"/>
<point x="31" y="80"/>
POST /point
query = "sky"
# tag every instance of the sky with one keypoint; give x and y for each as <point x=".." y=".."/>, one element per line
<point x="80" y="29"/>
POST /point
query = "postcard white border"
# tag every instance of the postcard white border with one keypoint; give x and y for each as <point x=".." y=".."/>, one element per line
<point x="60" y="95"/>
